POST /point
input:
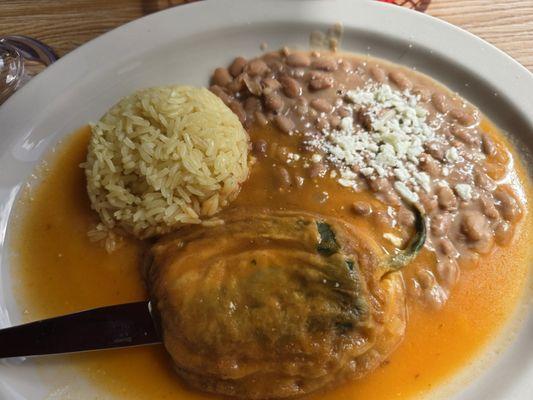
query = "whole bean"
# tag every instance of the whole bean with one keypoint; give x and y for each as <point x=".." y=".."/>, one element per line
<point x="298" y="60"/>
<point x="377" y="73"/>
<point x="503" y="233"/>
<point x="222" y="95"/>
<point x="509" y="207"/>
<point x="463" y="117"/>
<point x="487" y="145"/>
<point x="321" y="105"/>
<point x="317" y="170"/>
<point x="430" y="165"/>
<point x="251" y="105"/>
<point x="448" y="272"/>
<point x="429" y="202"/>
<point x="284" y="124"/>
<point x="440" y="102"/>
<point x="464" y="135"/>
<point x="469" y="259"/>
<point x="237" y="66"/>
<point x="260" y="118"/>
<point x="291" y="87"/>
<point x="405" y="217"/>
<point x="446" y="197"/>
<point x="238" y="109"/>
<point x="488" y="207"/>
<point x="320" y="81"/>
<point x="273" y="101"/>
<point x="283" y="177"/>
<point x="221" y="77"/>
<point x="325" y="64"/>
<point x="474" y="225"/>
<point x="362" y="208"/>
<point x="440" y="224"/>
<point x="260" y="147"/>
<point x="446" y="247"/>
<point x="398" y="78"/>
<point x="256" y="67"/>
<point x="334" y="121"/>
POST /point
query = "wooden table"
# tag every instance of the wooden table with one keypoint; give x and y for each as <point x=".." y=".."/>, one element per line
<point x="65" y="25"/>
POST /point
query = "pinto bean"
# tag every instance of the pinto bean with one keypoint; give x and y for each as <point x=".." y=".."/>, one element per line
<point x="430" y="165"/>
<point x="362" y="208"/>
<point x="474" y="225"/>
<point x="334" y="121"/>
<point x="298" y="60"/>
<point x="379" y="184"/>
<point x="273" y="101"/>
<point x="260" y="147"/>
<point x="446" y="247"/>
<point x="271" y="83"/>
<point x="440" y="102"/>
<point x="423" y="92"/>
<point x="284" y="124"/>
<point x="446" y="197"/>
<point x="325" y="64"/>
<point x="405" y="217"/>
<point x="237" y="66"/>
<point x="483" y="181"/>
<point x="321" y="105"/>
<point x="440" y="224"/>
<point x="221" y="77"/>
<point x="377" y="73"/>
<point x="488" y="207"/>
<point x="322" y="124"/>
<point x="400" y="80"/>
<point x="238" y="109"/>
<point x="320" y="81"/>
<point x="464" y="135"/>
<point x="291" y="87"/>
<point x="509" y="207"/>
<point x="222" y="95"/>
<point x="503" y="233"/>
<point x="463" y="117"/>
<point x="237" y="84"/>
<point x="425" y="278"/>
<point x="317" y="170"/>
<point x="469" y="259"/>
<point x="344" y="112"/>
<point x="283" y="178"/>
<point x="436" y="150"/>
<point x="364" y="119"/>
<point x="256" y="67"/>
<point x="487" y="145"/>
<point x="251" y="105"/>
<point x="448" y="272"/>
<point x="260" y="118"/>
<point x="430" y="203"/>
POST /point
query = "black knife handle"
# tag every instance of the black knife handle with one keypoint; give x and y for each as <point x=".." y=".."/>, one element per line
<point x="120" y="325"/>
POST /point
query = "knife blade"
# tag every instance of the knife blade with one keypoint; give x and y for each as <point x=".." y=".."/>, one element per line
<point x="122" y="325"/>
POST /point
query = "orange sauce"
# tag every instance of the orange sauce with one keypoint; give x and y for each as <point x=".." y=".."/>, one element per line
<point x="58" y="270"/>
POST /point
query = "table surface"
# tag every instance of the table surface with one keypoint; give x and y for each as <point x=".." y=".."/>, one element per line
<point x="65" y="25"/>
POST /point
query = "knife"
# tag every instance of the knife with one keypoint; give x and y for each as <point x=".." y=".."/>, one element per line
<point x="123" y="325"/>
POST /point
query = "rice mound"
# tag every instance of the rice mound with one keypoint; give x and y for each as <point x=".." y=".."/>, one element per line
<point x="163" y="157"/>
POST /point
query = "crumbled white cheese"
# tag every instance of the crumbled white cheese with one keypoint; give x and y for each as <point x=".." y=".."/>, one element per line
<point x="452" y="155"/>
<point x="390" y="148"/>
<point x="316" y="158"/>
<point x="395" y="240"/>
<point x="405" y="192"/>
<point x="464" y="191"/>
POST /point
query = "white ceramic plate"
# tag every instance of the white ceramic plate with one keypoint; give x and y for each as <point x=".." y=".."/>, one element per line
<point x="183" y="45"/>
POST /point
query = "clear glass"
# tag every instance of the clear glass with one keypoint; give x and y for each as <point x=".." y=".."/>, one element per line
<point x="21" y="58"/>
